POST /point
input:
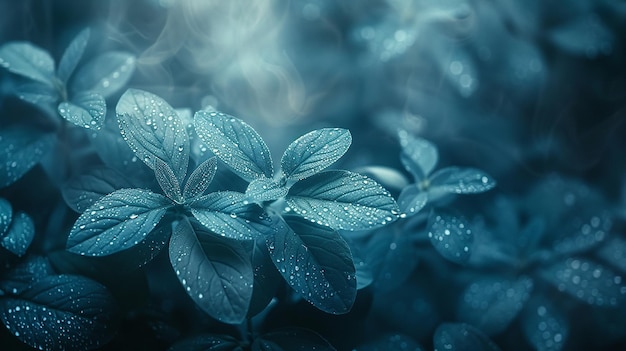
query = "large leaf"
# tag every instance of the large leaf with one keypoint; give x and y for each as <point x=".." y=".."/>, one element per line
<point x="72" y="55"/>
<point x="116" y="222"/>
<point x="64" y="312"/>
<point x="451" y="236"/>
<point x="419" y="156"/>
<point x="291" y="339"/>
<point x="86" y="109"/>
<point x="461" y="181"/>
<point x="461" y="337"/>
<point x="6" y="215"/>
<point x="200" y="179"/>
<point x="207" y="342"/>
<point x="235" y="143"/>
<point x="23" y="275"/>
<point x="545" y="328"/>
<point x="391" y="257"/>
<point x="343" y="200"/>
<point x="216" y="272"/>
<point x="21" y="148"/>
<point x="153" y="130"/>
<point x="29" y="61"/>
<point x="106" y="74"/>
<point x="227" y="214"/>
<point x="314" y="151"/>
<point x="167" y="180"/>
<point x="265" y="189"/>
<point x="316" y="262"/>
<point x="82" y="191"/>
<point x="20" y="234"/>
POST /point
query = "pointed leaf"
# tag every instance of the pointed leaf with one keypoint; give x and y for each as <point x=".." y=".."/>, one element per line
<point x="461" y="181"/>
<point x="153" y="130"/>
<point x="343" y="200"/>
<point x="419" y="156"/>
<point x="314" y="151"/>
<point x="86" y="109"/>
<point x="106" y="74"/>
<point x="21" y="148"/>
<point x="82" y="191"/>
<point x="23" y="275"/>
<point x="544" y="327"/>
<point x="316" y="262"/>
<point x="412" y="200"/>
<point x="6" y="216"/>
<point x="57" y="307"/>
<point x="388" y="177"/>
<point x="392" y="259"/>
<point x="227" y="214"/>
<point x="461" y="337"/>
<point x="72" y="55"/>
<point x="207" y="342"/>
<point x="451" y="236"/>
<point x="29" y="61"/>
<point x="291" y="339"/>
<point x="235" y="143"/>
<point x="116" y="222"/>
<point x="200" y="179"/>
<point x="20" y="234"/>
<point x="265" y="189"/>
<point x="167" y="180"/>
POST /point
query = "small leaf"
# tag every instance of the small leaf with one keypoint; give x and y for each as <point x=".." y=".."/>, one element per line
<point x="72" y="55"/>
<point x="56" y="307"/>
<point x="392" y="259"/>
<point x="6" y="216"/>
<point x="451" y="236"/>
<point x="117" y="222"/>
<point x="461" y="337"/>
<point x="461" y="181"/>
<point x="207" y="342"/>
<point x="21" y="148"/>
<point x="200" y="179"/>
<point x="343" y="200"/>
<point x="419" y="156"/>
<point x="412" y="200"/>
<point x="316" y="262"/>
<point x="37" y="94"/>
<point x="226" y="214"/>
<point x="20" y="234"/>
<point x="544" y="326"/>
<point x="82" y="191"/>
<point x="29" y="61"/>
<point x="291" y="339"/>
<point x="314" y="151"/>
<point x="265" y="189"/>
<point x="216" y="272"/>
<point x="235" y="143"/>
<point x="86" y="109"/>
<point x="106" y="74"/>
<point x="582" y="233"/>
<point x="388" y="342"/>
<point x="167" y="180"/>
<point x="153" y="130"/>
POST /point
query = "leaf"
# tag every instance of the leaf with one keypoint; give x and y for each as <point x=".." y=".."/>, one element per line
<point x="582" y="233"/>
<point x="200" y="179"/>
<point x="389" y="178"/>
<point x="64" y="312"/>
<point x="451" y="236"/>
<point x="216" y="272"/>
<point x="20" y="234"/>
<point x="153" y="130"/>
<point x="25" y="273"/>
<point x="392" y="259"/>
<point x="491" y="304"/>
<point x="545" y="328"/>
<point x="106" y="74"/>
<point x="207" y="342"/>
<point x="167" y="181"/>
<point x="343" y="200"/>
<point x="291" y="339"/>
<point x="412" y="200"/>
<point x="29" y="61"/>
<point x="235" y="143"/>
<point x="87" y="110"/>
<point x="21" y="148"/>
<point x="6" y="215"/>
<point x="316" y="262"/>
<point x="72" y="55"/>
<point x="37" y="94"/>
<point x="587" y="281"/>
<point x="82" y="191"/>
<point x="613" y="252"/>
<point x="117" y="222"/>
<point x="461" y="337"/>
<point x="461" y="181"/>
<point x="314" y="151"/>
<point x="267" y="280"/>
<point x="419" y="156"/>
<point x="265" y="189"/>
<point x="226" y="214"/>
<point x="391" y="342"/>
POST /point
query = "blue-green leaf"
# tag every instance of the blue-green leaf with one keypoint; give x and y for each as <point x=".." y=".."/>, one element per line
<point x="391" y="257"/>
<point x="451" y="236"/>
<point x="153" y="130"/>
<point x="388" y="177"/>
<point x="265" y="189"/>
<point x="72" y="55"/>
<point x="106" y="74"/>
<point x="314" y="151"/>
<point x="38" y="94"/>
<point x="116" y="222"/>
<point x="21" y="149"/>
<point x="291" y="339"/>
<point x="461" y="337"/>
<point x="267" y="280"/>
<point x="200" y="179"/>
<point x="29" y="61"/>
<point x="216" y="272"/>
<point x="20" y="234"/>
<point x="235" y="143"/>
<point x="613" y="252"/>
<point x="461" y="181"/>
<point x="316" y="262"/>
<point x="64" y="312"/>
<point x="343" y="200"/>
<point x="23" y="275"/>
<point x="227" y="214"/>
<point x="167" y="180"/>
<point x="207" y="342"/>
<point x="6" y="215"/>
<point x="86" y="109"/>
<point x="82" y="191"/>
<point x="411" y="200"/>
<point x="419" y="156"/>
<point x="545" y="328"/>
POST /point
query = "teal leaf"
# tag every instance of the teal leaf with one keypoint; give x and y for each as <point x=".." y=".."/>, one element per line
<point x="391" y="342"/>
<point x="343" y="200"/>
<point x="543" y="325"/>
<point x="461" y="181"/>
<point x="207" y="342"/>
<point x="216" y="272"/>
<point x="411" y="200"/>
<point x="581" y="233"/>
<point x="491" y="304"/>
<point x="167" y="180"/>
<point x="227" y="214"/>
<point x="21" y="149"/>
<point x="153" y="130"/>
<point x="419" y="156"/>
<point x="6" y="215"/>
<point x="117" y="222"/>
<point x="82" y="191"/>
<point x="316" y="262"/>
<point x="235" y="143"/>
<point x="86" y="109"/>
<point x="54" y="308"/>
<point x="106" y="74"/>
<point x="613" y="252"/>
<point x="265" y="189"/>
<point x="388" y="177"/>
<point x="25" y="273"/>
<point x="115" y="152"/>
<point x="391" y="257"/>
<point x="290" y="339"/>
<point x="20" y="234"/>
<point x="29" y="61"/>
<point x="451" y="236"/>
<point x="314" y="151"/>
<point x="200" y="179"/>
<point x="461" y="337"/>
<point x="72" y="55"/>
<point x="37" y="94"/>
